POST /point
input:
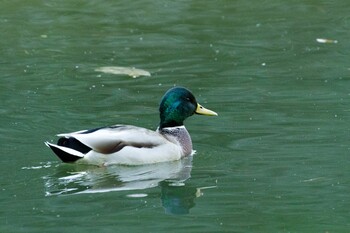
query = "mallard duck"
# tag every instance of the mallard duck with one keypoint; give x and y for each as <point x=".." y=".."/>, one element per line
<point x="132" y="145"/>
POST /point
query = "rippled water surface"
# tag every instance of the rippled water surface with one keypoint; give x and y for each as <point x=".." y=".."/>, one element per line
<point x="276" y="159"/>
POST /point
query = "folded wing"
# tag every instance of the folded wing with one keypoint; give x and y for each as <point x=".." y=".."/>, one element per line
<point x="111" y="139"/>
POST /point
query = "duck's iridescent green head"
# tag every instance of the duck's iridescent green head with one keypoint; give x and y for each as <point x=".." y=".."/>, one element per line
<point x="177" y="104"/>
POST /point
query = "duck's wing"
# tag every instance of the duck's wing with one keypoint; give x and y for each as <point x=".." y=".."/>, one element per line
<point x="111" y="139"/>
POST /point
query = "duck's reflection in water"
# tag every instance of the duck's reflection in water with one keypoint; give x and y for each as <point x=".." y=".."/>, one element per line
<point x="176" y="197"/>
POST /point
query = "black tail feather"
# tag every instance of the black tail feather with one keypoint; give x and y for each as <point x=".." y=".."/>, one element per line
<point x="73" y="144"/>
<point x="64" y="156"/>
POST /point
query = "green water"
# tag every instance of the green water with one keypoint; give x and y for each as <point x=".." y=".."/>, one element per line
<point x="276" y="159"/>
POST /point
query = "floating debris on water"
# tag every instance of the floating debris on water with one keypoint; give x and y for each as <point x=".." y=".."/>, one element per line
<point x="131" y="71"/>
<point x="199" y="192"/>
<point x="326" y="41"/>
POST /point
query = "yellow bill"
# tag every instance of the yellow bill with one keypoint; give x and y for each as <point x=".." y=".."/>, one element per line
<point x="203" y="111"/>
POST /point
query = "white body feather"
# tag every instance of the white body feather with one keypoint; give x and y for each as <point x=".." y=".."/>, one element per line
<point x="151" y="146"/>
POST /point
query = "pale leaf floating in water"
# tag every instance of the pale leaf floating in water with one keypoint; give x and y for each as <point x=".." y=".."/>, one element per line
<point x="326" y="41"/>
<point x="131" y="71"/>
